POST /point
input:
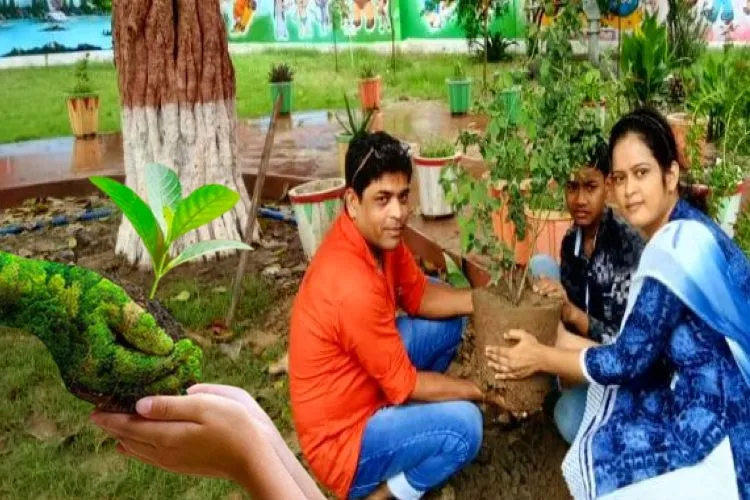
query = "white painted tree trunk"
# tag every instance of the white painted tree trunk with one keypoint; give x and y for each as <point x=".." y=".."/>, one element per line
<point x="198" y="143"/>
<point x="177" y="89"/>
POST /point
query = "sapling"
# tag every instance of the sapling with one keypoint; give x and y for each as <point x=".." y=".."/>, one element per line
<point x="167" y="216"/>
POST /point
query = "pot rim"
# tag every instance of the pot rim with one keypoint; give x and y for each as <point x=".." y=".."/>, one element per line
<point x="456" y="82"/>
<point x="336" y="190"/>
<point x="370" y="80"/>
<point x="424" y="161"/>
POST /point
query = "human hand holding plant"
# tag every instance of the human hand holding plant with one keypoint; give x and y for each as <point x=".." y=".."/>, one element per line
<point x="518" y="361"/>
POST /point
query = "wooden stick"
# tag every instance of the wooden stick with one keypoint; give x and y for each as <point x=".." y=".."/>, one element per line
<point x="252" y="216"/>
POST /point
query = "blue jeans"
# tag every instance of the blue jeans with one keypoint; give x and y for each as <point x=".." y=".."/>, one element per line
<point x="416" y="447"/>
<point x="572" y="403"/>
<point x="569" y="411"/>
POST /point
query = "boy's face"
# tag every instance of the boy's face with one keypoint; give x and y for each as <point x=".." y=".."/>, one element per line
<point x="585" y="195"/>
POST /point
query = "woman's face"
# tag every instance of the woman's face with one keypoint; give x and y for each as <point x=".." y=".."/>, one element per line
<point x="645" y="194"/>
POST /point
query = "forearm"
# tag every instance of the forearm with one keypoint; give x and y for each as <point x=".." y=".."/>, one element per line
<point x="567" y="340"/>
<point x="264" y="475"/>
<point x="442" y="301"/>
<point x="304" y="482"/>
<point x="563" y="362"/>
<point x="432" y="387"/>
<point x="576" y="318"/>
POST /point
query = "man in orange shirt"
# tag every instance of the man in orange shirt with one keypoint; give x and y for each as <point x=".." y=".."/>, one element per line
<point x="375" y="414"/>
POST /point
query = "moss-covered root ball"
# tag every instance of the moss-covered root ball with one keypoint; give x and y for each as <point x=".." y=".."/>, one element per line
<point x="108" y="349"/>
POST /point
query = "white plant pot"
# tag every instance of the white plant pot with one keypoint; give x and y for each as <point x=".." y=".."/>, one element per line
<point x="431" y="195"/>
<point x="728" y="212"/>
<point x="316" y="205"/>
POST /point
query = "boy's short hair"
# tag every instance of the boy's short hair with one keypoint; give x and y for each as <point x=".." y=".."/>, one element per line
<point x="599" y="158"/>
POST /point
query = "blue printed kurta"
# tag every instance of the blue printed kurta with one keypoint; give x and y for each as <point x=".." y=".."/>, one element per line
<point x="680" y="391"/>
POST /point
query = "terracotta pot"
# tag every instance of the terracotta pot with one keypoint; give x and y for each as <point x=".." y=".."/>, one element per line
<point x="505" y="229"/>
<point x="316" y="206"/>
<point x="432" y="201"/>
<point x="680" y="125"/>
<point x="550" y="227"/>
<point x="83" y="113"/>
<point x="369" y="93"/>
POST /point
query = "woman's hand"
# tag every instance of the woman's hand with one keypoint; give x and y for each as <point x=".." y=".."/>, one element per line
<point x="199" y="434"/>
<point x="519" y="361"/>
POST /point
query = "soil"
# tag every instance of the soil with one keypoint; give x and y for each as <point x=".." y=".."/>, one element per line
<point x="519" y="459"/>
<point x="494" y="316"/>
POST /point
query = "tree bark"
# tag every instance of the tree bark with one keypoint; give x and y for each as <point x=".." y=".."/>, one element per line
<point x="177" y="92"/>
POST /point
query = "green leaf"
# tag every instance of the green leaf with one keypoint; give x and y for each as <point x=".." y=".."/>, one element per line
<point x="137" y="212"/>
<point x="164" y="191"/>
<point x="205" y="247"/>
<point x="454" y="276"/>
<point x="202" y="206"/>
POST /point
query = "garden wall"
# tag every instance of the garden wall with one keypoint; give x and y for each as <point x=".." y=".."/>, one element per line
<point x="29" y="27"/>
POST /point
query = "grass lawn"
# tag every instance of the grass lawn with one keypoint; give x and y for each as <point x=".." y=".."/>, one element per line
<point x="34" y="102"/>
<point x="48" y="448"/>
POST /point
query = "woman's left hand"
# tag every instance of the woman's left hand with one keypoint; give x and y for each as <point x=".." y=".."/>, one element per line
<point x="519" y="361"/>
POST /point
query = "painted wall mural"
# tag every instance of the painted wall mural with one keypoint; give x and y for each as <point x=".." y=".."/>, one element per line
<point x="49" y="26"/>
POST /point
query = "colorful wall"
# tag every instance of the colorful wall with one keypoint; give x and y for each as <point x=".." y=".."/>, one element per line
<point x="50" y="26"/>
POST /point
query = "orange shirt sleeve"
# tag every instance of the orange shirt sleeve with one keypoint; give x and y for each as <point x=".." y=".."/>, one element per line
<point x="368" y="330"/>
<point x="410" y="281"/>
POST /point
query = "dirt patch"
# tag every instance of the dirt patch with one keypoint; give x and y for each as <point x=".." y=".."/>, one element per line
<point x="494" y="315"/>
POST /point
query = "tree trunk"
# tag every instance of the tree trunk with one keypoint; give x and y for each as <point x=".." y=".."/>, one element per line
<point x="177" y="91"/>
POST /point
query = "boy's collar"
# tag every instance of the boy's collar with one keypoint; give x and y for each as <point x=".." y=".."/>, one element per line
<point x="603" y="223"/>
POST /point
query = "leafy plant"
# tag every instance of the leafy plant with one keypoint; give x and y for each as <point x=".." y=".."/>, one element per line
<point x="367" y="71"/>
<point x="459" y="74"/>
<point x="82" y="86"/>
<point x="437" y="147"/>
<point x="645" y="61"/>
<point x="167" y="216"/>
<point x="742" y="231"/>
<point x="357" y="123"/>
<point x="338" y="10"/>
<point x="280" y="73"/>
<point x="496" y="48"/>
<point x="687" y="31"/>
<point x="504" y="148"/>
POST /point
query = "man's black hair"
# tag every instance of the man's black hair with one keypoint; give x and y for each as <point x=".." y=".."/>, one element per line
<point x="372" y="155"/>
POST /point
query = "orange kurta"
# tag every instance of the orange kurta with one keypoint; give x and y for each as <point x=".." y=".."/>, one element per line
<point x="346" y="358"/>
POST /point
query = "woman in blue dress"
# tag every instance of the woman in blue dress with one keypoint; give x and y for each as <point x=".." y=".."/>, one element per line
<point x="668" y="406"/>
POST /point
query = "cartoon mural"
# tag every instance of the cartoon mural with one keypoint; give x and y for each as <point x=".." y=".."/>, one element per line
<point x="729" y="19"/>
<point x="49" y="26"/>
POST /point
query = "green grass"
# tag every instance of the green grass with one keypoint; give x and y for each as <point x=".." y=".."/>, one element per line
<point x="78" y="460"/>
<point x="33" y="104"/>
<point x="209" y="302"/>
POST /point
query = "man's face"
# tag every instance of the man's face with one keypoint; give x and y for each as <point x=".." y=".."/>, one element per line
<point x="381" y="213"/>
<point x="585" y="195"/>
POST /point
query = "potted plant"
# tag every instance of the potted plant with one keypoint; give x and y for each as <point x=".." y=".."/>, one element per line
<point x="369" y="87"/>
<point x="507" y="89"/>
<point x="434" y="156"/>
<point x="646" y="63"/>
<point x="280" y="79"/>
<point x="459" y="91"/>
<point x="508" y="301"/>
<point x="355" y="125"/>
<point x="316" y="205"/>
<point x="83" y="103"/>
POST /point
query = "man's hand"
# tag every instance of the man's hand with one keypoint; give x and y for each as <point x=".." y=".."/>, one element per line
<point x="519" y="361"/>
